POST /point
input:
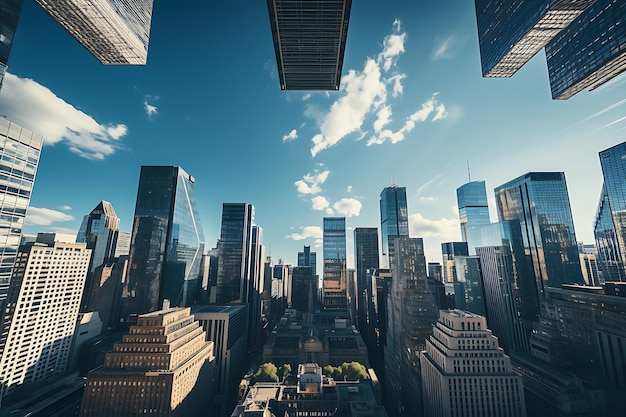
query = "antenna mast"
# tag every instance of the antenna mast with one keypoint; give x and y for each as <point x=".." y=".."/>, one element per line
<point x="469" y="175"/>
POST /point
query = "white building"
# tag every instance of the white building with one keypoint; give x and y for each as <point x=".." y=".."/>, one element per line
<point x="465" y="373"/>
<point x="41" y="311"/>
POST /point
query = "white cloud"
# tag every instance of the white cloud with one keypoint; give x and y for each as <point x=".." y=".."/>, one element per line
<point x="293" y="135"/>
<point x="349" y="189"/>
<point x="311" y="183"/>
<point x="307" y="232"/>
<point x="45" y="217"/>
<point x="445" y="47"/>
<point x="329" y="211"/>
<point x="429" y="198"/>
<point x="447" y="230"/>
<point x="306" y="96"/>
<point x="320" y="203"/>
<point x="150" y="109"/>
<point x="383" y="117"/>
<point x="37" y="108"/>
<point x="348" y="207"/>
<point x="398" y="88"/>
<point x="66" y="208"/>
<point x="427" y="184"/>
<point x="393" y="47"/>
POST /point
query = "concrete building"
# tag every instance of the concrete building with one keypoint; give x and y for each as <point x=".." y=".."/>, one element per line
<point x="41" y="310"/>
<point x="466" y="373"/>
<point x="106" y="291"/>
<point x="162" y="367"/>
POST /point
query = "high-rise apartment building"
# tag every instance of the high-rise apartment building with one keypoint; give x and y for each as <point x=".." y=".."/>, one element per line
<point x="394" y="215"/>
<point x="536" y="206"/>
<point x="365" y="258"/>
<point x="19" y="155"/>
<point x="9" y="16"/>
<point x="41" y="310"/>
<point x="167" y="243"/>
<point x="590" y="51"/>
<point x="114" y="32"/>
<point x="308" y="258"/>
<point x="162" y="367"/>
<point x="309" y="41"/>
<point x="466" y="373"/>
<point x="334" y="283"/>
<point x="510" y="32"/>
<point x="473" y="212"/>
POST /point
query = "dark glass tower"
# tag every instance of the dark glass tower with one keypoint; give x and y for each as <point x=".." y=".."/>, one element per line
<point x="537" y="207"/>
<point x="167" y="243"/>
<point x="234" y="248"/>
<point x="590" y="51"/>
<point x="394" y="215"/>
<point x="334" y="287"/>
<point x="308" y="258"/>
<point x="9" y="16"/>
<point x="365" y="258"/>
<point x="309" y="41"/>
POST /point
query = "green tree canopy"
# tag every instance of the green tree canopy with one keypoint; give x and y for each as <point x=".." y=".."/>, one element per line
<point x="284" y="370"/>
<point x="266" y="373"/>
<point x="352" y="371"/>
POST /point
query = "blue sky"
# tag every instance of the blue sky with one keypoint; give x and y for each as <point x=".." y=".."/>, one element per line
<point x="412" y="109"/>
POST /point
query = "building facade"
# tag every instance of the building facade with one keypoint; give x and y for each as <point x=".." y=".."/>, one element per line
<point x="473" y="212"/>
<point x="9" y="16"/>
<point x="465" y="372"/>
<point x="309" y="42"/>
<point x="308" y="258"/>
<point x="334" y="287"/>
<point x="167" y="243"/>
<point x="394" y="215"/>
<point x="41" y="310"/>
<point x="162" y="367"/>
<point x="19" y="152"/>
<point x="366" y="257"/>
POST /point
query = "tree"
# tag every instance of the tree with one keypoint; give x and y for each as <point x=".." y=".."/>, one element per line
<point x="266" y="373"/>
<point x="284" y="370"/>
<point x="354" y="371"/>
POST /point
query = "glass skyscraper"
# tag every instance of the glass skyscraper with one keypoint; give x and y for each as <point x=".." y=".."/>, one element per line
<point x="9" y="16"/>
<point x="365" y="258"/>
<point x="610" y="225"/>
<point x="334" y="285"/>
<point x="394" y="215"/>
<point x="510" y="32"/>
<point x="19" y="156"/>
<point x="308" y="258"/>
<point x="473" y="212"/>
<point x="113" y="31"/>
<point x="309" y="41"/>
<point x="590" y="51"/>
<point x="167" y="243"/>
<point x="537" y="207"/>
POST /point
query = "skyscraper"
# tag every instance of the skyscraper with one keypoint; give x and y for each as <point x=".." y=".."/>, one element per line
<point x="167" y="243"/>
<point x="41" y="310"/>
<point x="466" y="373"/>
<point x="19" y="154"/>
<point x="365" y="258"/>
<point x="590" y="51"/>
<point x="510" y="32"/>
<point x="9" y="16"/>
<point x="308" y="258"/>
<point x="473" y="212"/>
<point x="255" y="290"/>
<point x="394" y="215"/>
<point x="537" y="206"/>
<point x="233" y="273"/>
<point x="99" y="231"/>
<point x="334" y="285"/>
<point x="309" y="41"/>
<point x="114" y="32"/>
<point x="450" y="250"/>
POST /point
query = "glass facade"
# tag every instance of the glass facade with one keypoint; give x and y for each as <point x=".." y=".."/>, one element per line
<point x="309" y="41"/>
<point x="234" y="247"/>
<point x="113" y="31"/>
<point x="308" y="258"/>
<point x="19" y="155"/>
<point x="99" y="230"/>
<point x="334" y="282"/>
<point x="469" y="292"/>
<point x="537" y="207"/>
<point x="9" y="16"/>
<point x="167" y="242"/>
<point x="394" y="215"/>
<point x="365" y="258"/>
<point x="610" y="225"/>
<point x="473" y="212"/>
<point x="590" y="51"/>
<point x="510" y="32"/>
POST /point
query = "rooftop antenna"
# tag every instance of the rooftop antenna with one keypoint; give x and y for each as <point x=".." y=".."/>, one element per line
<point x="393" y="180"/>
<point x="469" y="175"/>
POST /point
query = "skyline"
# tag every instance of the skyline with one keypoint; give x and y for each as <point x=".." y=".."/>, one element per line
<point x="411" y="110"/>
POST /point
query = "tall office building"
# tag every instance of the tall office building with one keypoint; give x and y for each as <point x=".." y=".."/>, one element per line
<point x="114" y="32"/>
<point x="255" y="284"/>
<point x="9" y="16"/>
<point x="308" y="258"/>
<point x="510" y="32"/>
<point x="233" y="273"/>
<point x="309" y="41"/>
<point x="162" y="367"/>
<point x="123" y="244"/>
<point x="536" y="205"/>
<point x="394" y="215"/>
<point x="19" y="156"/>
<point x="106" y="291"/>
<point x="334" y="284"/>
<point x="590" y="51"/>
<point x="41" y="310"/>
<point x="473" y="212"/>
<point x="99" y="231"/>
<point x="610" y="259"/>
<point x="167" y="243"/>
<point x="469" y="291"/>
<point x="450" y="250"/>
<point x="466" y="373"/>
<point x="304" y="296"/>
<point x="365" y="258"/>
